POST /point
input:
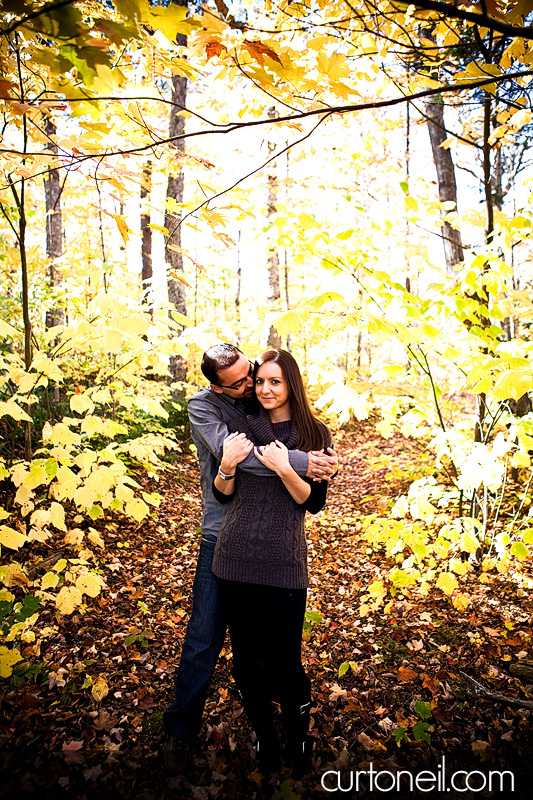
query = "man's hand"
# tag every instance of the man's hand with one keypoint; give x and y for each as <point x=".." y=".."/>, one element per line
<point x="235" y="448"/>
<point x="322" y="466"/>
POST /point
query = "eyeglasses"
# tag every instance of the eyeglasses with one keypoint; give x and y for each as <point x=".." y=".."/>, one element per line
<point x="239" y="384"/>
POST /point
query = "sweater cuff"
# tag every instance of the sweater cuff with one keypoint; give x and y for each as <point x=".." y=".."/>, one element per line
<point x="299" y="461"/>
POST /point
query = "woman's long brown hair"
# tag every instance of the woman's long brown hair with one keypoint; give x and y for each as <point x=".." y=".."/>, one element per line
<point x="312" y="434"/>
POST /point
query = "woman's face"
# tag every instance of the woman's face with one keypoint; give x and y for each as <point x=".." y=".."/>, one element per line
<point x="271" y="387"/>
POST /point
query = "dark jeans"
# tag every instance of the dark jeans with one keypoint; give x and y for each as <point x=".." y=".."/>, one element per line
<point x="265" y="625"/>
<point x="201" y="648"/>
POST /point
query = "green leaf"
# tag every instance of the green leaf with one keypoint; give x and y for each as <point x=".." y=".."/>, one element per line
<point x="420" y="731"/>
<point x="527" y="536"/>
<point x="400" y="735"/>
<point x="423" y="709"/>
<point x="343" y="669"/>
<point x="27" y="608"/>
<point x="313" y="616"/>
<point x="519" y="550"/>
<point x="95" y="511"/>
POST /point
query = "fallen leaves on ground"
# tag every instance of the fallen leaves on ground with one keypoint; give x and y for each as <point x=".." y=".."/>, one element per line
<point x="94" y="725"/>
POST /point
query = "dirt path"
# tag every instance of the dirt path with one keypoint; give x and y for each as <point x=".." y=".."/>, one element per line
<point x="58" y="741"/>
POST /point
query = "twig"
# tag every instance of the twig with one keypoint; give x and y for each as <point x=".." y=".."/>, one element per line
<point x="479" y="689"/>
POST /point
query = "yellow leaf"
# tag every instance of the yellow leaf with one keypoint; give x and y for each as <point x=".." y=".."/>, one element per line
<point x="80" y="403"/>
<point x="461" y="602"/>
<point x="11" y="538"/>
<point x="288" y="322"/>
<point x="513" y="384"/>
<point x="95" y="538"/>
<point x="7" y="659"/>
<point x="137" y="509"/>
<point x="68" y="598"/>
<point x="27" y="382"/>
<point x="363" y="610"/>
<point x="13" y="410"/>
<point x="447" y="583"/>
<point x="92" y="425"/>
<point x="40" y="518"/>
<point x="469" y="543"/>
<point x="459" y="567"/>
<point x="377" y="590"/>
<point x="401" y="578"/>
<point x="47" y="431"/>
<point x="112" y="429"/>
<point x="90" y="584"/>
<point x="49" y="581"/>
<point x="57" y="516"/>
<point x="100" y="690"/>
<point x="7" y="330"/>
<point x="62" y="435"/>
<point x="521" y="459"/>
<point x="74" y="536"/>
<point x="124" y="493"/>
<point x="84" y="497"/>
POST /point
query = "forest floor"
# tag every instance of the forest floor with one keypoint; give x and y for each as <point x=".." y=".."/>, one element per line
<point x="59" y="741"/>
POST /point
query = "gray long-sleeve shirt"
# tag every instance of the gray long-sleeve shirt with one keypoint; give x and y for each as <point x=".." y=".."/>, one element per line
<point x="209" y="414"/>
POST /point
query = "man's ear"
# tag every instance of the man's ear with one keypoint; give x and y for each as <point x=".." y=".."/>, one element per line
<point x="215" y="388"/>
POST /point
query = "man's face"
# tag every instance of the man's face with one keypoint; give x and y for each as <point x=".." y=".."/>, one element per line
<point x="236" y="381"/>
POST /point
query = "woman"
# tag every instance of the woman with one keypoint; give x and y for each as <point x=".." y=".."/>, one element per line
<point x="260" y="559"/>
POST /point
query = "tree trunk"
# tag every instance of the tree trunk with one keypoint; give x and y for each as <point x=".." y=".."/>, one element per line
<point x="238" y="292"/>
<point x="54" y="231"/>
<point x="274" y="339"/>
<point x="174" y="258"/>
<point x="146" y="231"/>
<point x="442" y="158"/>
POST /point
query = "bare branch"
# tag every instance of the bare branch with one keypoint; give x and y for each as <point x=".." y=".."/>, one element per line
<point x="451" y="11"/>
<point x="35" y="14"/>
<point x="230" y="127"/>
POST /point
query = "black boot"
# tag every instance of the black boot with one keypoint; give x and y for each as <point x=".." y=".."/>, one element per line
<point x="268" y="752"/>
<point x="299" y="745"/>
<point x="261" y="717"/>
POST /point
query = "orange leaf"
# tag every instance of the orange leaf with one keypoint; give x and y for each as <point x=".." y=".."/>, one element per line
<point x="214" y="49"/>
<point x="258" y="50"/>
<point x="405" y="674"/>
<point x="5" y="87"/>
<point x="431" y="684"/>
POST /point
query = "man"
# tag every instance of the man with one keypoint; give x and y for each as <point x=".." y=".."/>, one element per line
<point x="229" y="395"/>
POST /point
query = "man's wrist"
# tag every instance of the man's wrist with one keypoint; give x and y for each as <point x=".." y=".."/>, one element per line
<point x="228" y="467"/>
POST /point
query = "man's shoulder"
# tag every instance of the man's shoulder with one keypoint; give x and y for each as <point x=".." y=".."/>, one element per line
<point x="208" y="400"/>
<point x="203" y="396"/>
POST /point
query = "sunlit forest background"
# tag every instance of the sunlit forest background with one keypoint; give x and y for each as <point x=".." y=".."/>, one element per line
<point x="351" y="182"/>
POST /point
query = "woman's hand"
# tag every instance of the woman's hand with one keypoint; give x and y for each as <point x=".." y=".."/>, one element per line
<point x="235" y="448"/>
<point x="275" y="456"/>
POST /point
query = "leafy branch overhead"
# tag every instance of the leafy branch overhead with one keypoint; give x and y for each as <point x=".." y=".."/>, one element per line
<point x="351" y="181"/>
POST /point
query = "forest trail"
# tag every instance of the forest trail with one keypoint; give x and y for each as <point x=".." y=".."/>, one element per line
<point x="61" y="740"/>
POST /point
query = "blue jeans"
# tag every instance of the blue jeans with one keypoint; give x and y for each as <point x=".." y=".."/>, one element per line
<point x="201" y="648"/>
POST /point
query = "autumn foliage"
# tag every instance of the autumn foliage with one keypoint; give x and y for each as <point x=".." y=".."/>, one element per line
<point x="309" y="211"/>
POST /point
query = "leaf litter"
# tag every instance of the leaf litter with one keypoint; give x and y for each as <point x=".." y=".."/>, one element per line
<point x="388" y="682"/>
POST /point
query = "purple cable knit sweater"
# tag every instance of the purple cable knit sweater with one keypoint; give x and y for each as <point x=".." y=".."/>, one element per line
<point x="262" y="537"/>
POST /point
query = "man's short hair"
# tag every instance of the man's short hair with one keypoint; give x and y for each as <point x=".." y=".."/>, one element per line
<point x="218" y="357"/>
